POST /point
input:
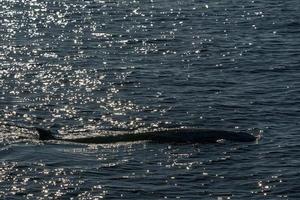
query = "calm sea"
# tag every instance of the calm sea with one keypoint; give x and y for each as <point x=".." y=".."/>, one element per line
<point x="83" y="66"/>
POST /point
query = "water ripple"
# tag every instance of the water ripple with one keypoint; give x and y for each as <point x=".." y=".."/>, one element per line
<point x="84" y="66"/>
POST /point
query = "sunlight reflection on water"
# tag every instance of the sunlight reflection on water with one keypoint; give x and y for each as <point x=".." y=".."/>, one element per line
<point x="84" y="66"/>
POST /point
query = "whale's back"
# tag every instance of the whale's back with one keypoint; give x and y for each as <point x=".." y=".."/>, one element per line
<point x="179" y="135"/>
<point x="195" y="135"/>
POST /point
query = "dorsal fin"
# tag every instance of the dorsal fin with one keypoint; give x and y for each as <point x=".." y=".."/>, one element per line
<point x="45" y="134"/>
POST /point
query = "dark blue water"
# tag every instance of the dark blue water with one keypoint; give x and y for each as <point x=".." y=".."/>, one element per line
<point x="86" y="66"/>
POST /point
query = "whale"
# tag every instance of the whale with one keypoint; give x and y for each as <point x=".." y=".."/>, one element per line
<point x="172" y="135"/>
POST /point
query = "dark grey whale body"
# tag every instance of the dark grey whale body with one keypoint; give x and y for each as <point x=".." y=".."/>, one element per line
<point x="178" y="135"/>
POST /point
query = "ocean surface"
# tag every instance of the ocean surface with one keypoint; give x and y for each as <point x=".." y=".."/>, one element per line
<point x="79" y="67"/>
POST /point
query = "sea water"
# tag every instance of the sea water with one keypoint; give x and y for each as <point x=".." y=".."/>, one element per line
<point x="83" y="66"/>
